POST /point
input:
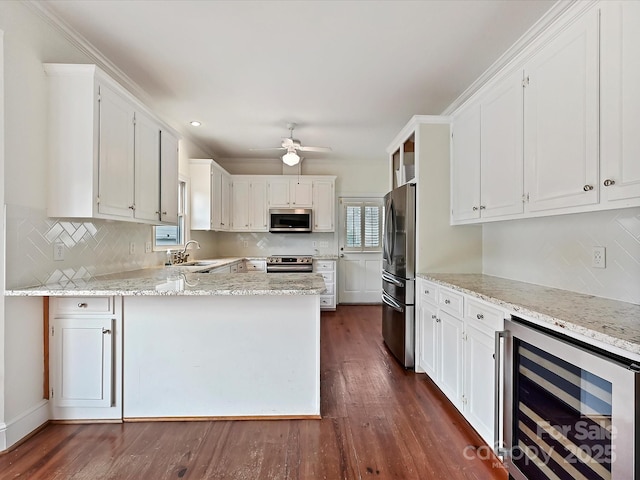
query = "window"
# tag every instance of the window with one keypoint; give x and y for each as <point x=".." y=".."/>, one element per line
<point x="166" y="237"/>
<point x="362" y="224"/>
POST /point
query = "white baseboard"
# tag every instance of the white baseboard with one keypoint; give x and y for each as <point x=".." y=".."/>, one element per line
<point x="18" y="428"/>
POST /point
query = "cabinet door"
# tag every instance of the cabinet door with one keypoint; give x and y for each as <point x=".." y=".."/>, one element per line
<point x="147" y="168"/>
<point x="278" y="191"/>
<point x="428" y="340"/>
<point x="561" y="119"/>
<point x="258" y="205"/>
<point x="115" y="155"/>
<point x="323" y="206"/>
<point x="620" y="95"/>
<point x="465" y="171"/>
<point x="501" y="164"/>
<point x="450" y="357"/>
<point x="225" y="201"/>
<point x="168" y="178"/>
<point x="301" y="193"/>
<point x="479" y="381"/>
<point x="202" y="183"/>
<point x="81" y="362"/>
<point x="240" y="205"/>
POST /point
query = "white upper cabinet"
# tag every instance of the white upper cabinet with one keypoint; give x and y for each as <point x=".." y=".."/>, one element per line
<point x="258" y="218"/>
<point x="465" y="170"/>
<point x="168" y="177"/>
<point x="116" y="154"/>
<point x="249" y="204"/>
<point x="210" y="195"/>
<point x="501" y="161"/>
<point x="561" y="119"/>
<point x="487" y="159"/>
<point x="104" y="150"/>
<point x="288" y="192"/>
<point x="575" y="120"/>
<point x="620" y="103"/>
<point x="147" y="168"/>
<point x="323" y="205"/>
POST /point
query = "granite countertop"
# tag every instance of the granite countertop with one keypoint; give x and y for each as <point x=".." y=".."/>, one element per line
<point x="608" y="321"/>
<point x="177" y="281"/>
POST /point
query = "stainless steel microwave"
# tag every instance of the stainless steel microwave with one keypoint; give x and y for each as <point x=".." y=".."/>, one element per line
<point x="290" y="220"/>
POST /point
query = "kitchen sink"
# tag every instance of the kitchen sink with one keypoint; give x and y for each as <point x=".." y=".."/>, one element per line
<point x="197" y="263"/>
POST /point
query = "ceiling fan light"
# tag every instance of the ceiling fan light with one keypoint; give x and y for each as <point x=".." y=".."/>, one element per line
<point x="290" y="158"/>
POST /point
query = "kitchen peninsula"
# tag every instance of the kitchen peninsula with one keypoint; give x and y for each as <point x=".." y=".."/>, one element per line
<point x="183" y="344"/>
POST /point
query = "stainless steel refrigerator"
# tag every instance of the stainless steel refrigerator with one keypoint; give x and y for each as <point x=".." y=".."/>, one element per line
<point x="398" y="273"/>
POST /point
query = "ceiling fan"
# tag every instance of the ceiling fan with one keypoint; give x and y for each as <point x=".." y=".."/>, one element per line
<point x="292" y="146"/>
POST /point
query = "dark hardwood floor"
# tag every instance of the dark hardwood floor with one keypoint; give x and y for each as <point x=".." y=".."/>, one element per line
<point x="378" y="421"/>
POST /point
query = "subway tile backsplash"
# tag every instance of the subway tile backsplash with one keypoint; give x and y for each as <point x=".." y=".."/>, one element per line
<point x="556" y="252"/>
<point x="91" y="247"/>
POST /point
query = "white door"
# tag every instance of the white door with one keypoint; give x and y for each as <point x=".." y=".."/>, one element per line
<point x="81" y="362"/>
<point x="360" y="264"/>
<point x="561" y="119"/>
<point x="147" y="169"/>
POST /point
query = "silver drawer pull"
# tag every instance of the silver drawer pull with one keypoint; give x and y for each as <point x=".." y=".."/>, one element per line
<point x="479" y="316"/>
<point x="427" y="292"/>
<point x="434" y="316"/>
<point x="447" y="301"/>
<point x="82" y="305"/>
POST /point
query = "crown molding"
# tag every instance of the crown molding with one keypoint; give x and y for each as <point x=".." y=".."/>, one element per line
<point x="512" y="54"/>
<point x="46" y="13"/>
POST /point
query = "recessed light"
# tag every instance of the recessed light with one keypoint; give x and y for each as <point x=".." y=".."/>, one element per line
<point x="195" y="123"/>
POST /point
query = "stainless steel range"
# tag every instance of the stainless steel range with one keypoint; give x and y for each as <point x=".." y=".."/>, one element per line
<point x="289" y="264"/>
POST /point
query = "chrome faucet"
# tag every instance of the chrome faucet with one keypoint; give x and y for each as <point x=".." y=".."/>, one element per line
<point x="181" y="256"/>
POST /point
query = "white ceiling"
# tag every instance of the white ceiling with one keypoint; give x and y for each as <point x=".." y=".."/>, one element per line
<point x="350" y="73"/>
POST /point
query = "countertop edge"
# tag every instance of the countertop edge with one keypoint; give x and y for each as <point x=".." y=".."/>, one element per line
<point x="557" y="324"/>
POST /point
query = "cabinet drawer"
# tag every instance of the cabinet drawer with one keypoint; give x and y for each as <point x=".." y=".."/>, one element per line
<point x="329" y="288"/>
<point x="429" y="292"/>
<point x="255" y="266"/>
<point x="81" y="305"/>
<point x="450" y="301"/>
<point x="326" y="265"/>
<point x="479" y="313"/>
<point x="327" y="301"/>
<point x="328" y="276"/>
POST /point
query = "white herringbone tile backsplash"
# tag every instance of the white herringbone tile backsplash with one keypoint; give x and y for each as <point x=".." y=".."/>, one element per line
<point x="556" y="252"/>
<point x="92" y="247"/>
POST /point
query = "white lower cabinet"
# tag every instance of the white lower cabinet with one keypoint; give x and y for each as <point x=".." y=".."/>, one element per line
<point x="328" y="270"/>
<point x="455" y="347"/>
<point x="85" y="358"/>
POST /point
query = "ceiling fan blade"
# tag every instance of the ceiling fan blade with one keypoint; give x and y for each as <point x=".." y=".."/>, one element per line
<point x="265" y="149"/>
<point x="314" y="149"/>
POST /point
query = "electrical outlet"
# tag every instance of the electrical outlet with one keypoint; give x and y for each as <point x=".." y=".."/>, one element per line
<point x="598" y="257"/>
<point x="245" y="243"/>
<point x="58" y="252"/>
<point x="314" y="244"/>
<point x="132" y="248"/>
<point x="147" y="247"/>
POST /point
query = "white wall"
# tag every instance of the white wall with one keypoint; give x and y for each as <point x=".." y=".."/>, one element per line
<point x="556" y="252"/>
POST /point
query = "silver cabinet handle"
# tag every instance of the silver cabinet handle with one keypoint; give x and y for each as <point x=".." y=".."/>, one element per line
<point x="482" y="207"/>
<point x="608" y="183"/>
<point x="82" y="305"/>
<point x="587" y="188"/>
<point x="447" y="301"/>
<point x="164" y="213"/>
<point x="106" y="331"/>
<point x="475" y="209"/>
<point x="479" y="316"/>
<point x="435" y="317"/>
<point x="427" y="292"/>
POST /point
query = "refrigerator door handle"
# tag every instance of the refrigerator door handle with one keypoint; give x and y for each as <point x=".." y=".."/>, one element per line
<point x="386" y="299"/>
<point x="388" y="278"/>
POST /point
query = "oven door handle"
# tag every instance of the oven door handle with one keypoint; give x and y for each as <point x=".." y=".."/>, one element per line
<point x="388" y="278"/>
<point x="497" y="400"/>
<point x="387" y="300"/>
